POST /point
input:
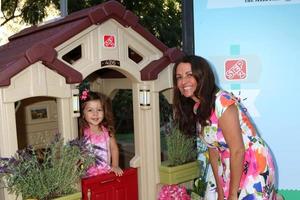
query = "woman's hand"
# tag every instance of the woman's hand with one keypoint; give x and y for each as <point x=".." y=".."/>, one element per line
<point x="220" y="193"/>
<point x="117" y="170"/>
<point x="220" y="197"/>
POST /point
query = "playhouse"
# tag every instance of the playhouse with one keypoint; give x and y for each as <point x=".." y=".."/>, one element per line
<point x="42" y="66"/>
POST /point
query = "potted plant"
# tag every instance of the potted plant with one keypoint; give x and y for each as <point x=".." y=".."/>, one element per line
<point x="48" y="175"/>
<point x="181" y="164"/>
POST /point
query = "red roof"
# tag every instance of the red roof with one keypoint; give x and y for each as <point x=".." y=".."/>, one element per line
<point x="38" y="43"/>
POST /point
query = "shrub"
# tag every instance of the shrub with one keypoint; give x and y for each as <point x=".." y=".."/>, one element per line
<point x="45" y="176"/>
<point x="181" y="148"/>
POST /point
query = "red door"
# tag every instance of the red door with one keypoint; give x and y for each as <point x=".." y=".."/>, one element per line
<point x="111" y="187"/>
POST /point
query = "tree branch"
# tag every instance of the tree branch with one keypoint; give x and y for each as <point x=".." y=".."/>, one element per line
<point x="7" y="19"/>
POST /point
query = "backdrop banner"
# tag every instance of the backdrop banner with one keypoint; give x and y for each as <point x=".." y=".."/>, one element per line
<point x="254" y="48"/>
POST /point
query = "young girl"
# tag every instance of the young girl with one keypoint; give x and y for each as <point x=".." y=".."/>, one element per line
<point x="96" y="124"/>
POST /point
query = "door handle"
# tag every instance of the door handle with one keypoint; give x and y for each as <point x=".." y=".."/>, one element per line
<point x="89" y="194"/>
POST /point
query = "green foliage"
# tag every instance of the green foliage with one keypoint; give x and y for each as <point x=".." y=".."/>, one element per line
<point x="165" y="110"/>
<point x="45" y="176"/>
<point x="161" y="17"/>
<point x="181" y="149"/>
<point x="34" y="11"/>
<point x="199" y="186"/>
<point x="31" y="11"/>
<point x="123" y="111"/>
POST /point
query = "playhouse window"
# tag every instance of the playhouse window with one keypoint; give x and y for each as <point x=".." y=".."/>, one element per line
<point x="36" y="121"/>
<point x="74" y="55"/>
<point x="134" y="56"/>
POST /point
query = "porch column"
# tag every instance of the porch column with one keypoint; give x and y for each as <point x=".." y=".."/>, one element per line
<point x="67" y="122"/>
<point x="8" y="135"/>
<point x="147" y="139"/>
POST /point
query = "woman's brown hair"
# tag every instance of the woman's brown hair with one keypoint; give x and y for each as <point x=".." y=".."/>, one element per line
<point x="205" y="92"/>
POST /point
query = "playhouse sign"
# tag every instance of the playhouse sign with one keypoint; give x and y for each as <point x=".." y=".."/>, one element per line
<point x="109" y="41"/>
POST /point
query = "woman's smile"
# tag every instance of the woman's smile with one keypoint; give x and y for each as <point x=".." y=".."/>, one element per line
<point x="186" y="82"/>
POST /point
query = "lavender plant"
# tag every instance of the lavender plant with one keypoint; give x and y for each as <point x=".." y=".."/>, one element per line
<point x="181" y="149"/>
<point x="45" y="176"/>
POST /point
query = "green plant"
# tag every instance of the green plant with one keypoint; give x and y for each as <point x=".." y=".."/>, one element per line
<point x="53" y="173"/>
<point x="199" y="187"/>
<point x="200" y="184"/>
<point x="181" y="148"/>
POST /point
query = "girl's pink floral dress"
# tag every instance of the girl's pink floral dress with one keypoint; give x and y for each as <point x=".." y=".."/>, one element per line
<point x="258" y="178"/>
<point x="99" y="144"/>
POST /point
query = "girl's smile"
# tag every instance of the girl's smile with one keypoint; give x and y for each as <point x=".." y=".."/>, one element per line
<point x="93" y="114"/>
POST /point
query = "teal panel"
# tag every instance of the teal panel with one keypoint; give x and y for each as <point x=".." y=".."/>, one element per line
<point x="290" y="194"/>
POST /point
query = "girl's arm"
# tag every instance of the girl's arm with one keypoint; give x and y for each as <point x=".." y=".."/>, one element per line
<point x="230" y="125"/>
<point x="213" y="159"/>
<point x="115" y="157"/>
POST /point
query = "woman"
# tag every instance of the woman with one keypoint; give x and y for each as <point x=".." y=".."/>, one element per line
<point x="241" y="162"/>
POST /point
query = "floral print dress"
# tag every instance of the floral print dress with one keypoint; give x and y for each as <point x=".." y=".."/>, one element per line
<point x="99" y="145"/>
<point x="258" y="178"/>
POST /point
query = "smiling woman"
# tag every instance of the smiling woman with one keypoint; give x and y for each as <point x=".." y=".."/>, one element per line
<point x="241" y="161"/>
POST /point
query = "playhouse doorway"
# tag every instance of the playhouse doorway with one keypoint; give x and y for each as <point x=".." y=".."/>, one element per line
<point x="36" y="120"/>
<point x="118" y="88"/>
<point x="123" y="113"/>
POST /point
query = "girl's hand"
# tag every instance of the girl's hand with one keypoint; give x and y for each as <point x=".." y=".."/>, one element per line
<point x="117" y="170"/>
